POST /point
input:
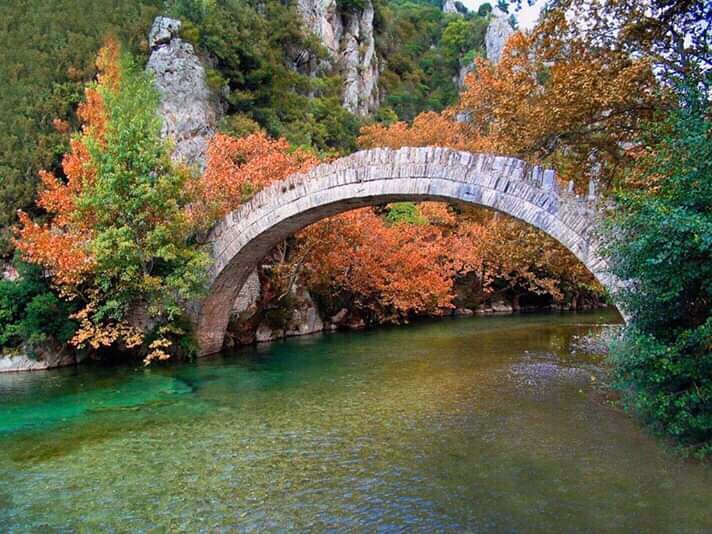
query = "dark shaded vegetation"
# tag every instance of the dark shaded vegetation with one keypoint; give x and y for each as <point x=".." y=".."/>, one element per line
<point x="662" y="243"/>
<point x="424" y="50"/>
<point x="48" y="55"/>
<point x="30" y="311"/>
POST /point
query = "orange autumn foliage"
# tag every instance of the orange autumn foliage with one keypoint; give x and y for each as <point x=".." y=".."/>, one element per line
<point x="391" y="269"/>
<point x="58" y="252"/>
<point x="551" y="100"/>
<point x="428" y="129"/>
<point x="561" y="103"/>
<point x="237" y="168"/>
<point x="59" y="246"/>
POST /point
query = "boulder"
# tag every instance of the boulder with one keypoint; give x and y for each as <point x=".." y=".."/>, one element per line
<point x="265" y="333"/>
<point x="502" y="306"/>
<point x="305" y="315"/>
<point x="43" y="357"/>
<point x="339" y="316"/>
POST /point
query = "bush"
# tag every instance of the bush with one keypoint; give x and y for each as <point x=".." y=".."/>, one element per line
<point x="661" y="242"/>
<point x="30" y="312"/>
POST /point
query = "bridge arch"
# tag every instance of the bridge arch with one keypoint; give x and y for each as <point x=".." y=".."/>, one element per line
<point x="528" y="193"/>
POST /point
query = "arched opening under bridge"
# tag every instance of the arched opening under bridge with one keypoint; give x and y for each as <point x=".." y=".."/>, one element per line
<point x="509" y="185"/>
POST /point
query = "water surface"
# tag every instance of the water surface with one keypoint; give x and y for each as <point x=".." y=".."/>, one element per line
<point x="469" y="424"/>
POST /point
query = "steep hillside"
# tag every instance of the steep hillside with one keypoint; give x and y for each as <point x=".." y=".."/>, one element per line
<point x="312" y="72"/>
<point x="48" y="54"/>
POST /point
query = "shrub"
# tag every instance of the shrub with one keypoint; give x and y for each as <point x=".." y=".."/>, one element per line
<point x="31" y="312"/>
<point x="661" y="242"/>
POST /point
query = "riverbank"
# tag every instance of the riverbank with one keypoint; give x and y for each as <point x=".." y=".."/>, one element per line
<point x="304" y="321"/>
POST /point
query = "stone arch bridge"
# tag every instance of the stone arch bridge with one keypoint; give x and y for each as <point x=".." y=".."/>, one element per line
<point x="528" y="193"/>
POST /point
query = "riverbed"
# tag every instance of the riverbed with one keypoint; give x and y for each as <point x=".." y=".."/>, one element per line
<point x="476" y="424"/>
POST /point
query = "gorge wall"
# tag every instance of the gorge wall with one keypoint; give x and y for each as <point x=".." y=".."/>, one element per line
<point x="187" y="108"/>
<point x="348" y="35"/>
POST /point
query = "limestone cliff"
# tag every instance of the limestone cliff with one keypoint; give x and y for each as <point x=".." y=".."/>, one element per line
<point x="498" y="32"/>
<point x="186" y="108"/>
<point x="450" y="7"/>
<point x="347" y="33"/>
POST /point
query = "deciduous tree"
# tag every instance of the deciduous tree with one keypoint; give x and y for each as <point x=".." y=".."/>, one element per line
<point x="117" y="240"/>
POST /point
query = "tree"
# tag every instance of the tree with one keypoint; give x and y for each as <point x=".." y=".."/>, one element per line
<point x="237" y="168"/>
<point x="561" y="103"/>
<point x="661" y="243"/>
<point x="391" y="270"/>
<point x="484" y="10"/>
<point x="672" y="34"/>
<point x="117" y="241"/>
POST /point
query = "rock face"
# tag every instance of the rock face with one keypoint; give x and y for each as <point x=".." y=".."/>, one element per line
<point x="348" y="36"/>
<point x="304" y="318"/>
<point x="498" y="32"/>
<point x="187" y="108"/>
<point x="449" y="7"/>
<point x="464" y="71"/>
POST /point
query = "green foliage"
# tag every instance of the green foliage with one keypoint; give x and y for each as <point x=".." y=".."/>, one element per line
<point x="424" y="50"/>
<point x="140" y="232"/>
<point x="30" y="312"/>
<point x="254" y="49"/>
<point x="405" y="212"/>
<point x="192" y="10"/>
<point x="238" y="125"/>
<point x="484" y="10"/>
<point x="48" y="54"/>
<point x="190" y="32"/>
<point x="661" y="241"/>
<point x="385" y="115"/>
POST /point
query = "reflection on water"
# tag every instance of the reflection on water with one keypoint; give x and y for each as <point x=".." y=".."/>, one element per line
<point x="469" y="424"/>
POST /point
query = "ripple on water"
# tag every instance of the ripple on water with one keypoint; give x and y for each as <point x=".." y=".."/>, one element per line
<point x="474" y="424"/>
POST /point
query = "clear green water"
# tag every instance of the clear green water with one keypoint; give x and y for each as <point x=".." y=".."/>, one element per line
<point x="471" y="424"/>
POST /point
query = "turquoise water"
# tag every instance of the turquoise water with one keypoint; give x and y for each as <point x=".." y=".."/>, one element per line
<point x="470" y="424"/>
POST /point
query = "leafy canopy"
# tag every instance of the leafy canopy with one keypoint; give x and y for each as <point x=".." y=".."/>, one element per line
<point x="661" y="242"/>
<point x="118" y="239"/>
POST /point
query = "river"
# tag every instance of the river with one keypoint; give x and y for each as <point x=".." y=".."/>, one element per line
<point x="477" y="424"/>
